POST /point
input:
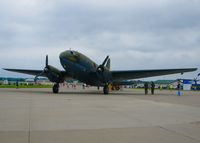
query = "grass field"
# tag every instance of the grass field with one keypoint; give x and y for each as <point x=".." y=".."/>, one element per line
<point x="26" y="86"/>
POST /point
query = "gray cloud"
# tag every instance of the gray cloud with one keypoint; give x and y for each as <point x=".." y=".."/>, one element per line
<point x="136" y="34"/>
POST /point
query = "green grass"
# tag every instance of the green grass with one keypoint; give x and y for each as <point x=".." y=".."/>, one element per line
<point x="26" y="86"/>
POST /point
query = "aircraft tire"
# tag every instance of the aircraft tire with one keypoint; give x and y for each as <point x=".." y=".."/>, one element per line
<point x="105" y="89"/>
<point x="56" y="88"/>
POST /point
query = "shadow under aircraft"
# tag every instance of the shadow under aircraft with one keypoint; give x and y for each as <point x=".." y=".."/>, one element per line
<point x="80" y="67"/>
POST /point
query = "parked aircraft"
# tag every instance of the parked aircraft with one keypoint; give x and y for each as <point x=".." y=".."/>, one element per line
<point x="78" y="66"/>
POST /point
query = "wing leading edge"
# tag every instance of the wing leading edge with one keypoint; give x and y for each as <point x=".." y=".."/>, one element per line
<point x="135" y="74"/>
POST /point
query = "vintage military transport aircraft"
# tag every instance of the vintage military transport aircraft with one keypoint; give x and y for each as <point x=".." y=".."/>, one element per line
<point x="78" y="66"/>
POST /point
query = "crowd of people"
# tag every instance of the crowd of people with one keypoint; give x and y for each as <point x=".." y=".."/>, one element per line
<point x="146" y="87"/>
<point x="151" y="86"/>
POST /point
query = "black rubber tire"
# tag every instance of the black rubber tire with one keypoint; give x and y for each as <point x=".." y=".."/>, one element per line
<point x="55" y="88"/>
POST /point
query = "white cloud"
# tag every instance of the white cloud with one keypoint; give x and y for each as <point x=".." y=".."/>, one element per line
<point x="136" y="34"/>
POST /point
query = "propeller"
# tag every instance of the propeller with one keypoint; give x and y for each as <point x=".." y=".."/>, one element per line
<point x="101" y="67"/>
<point x="108" y="64"/>
<point x="46" y="69"/>
<point x="104" y="62"/>
<point x="46" y="63"/>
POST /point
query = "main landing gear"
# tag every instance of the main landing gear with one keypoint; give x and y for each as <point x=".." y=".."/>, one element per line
<point x="105" y="89"/>
<point x="56" y="88"/>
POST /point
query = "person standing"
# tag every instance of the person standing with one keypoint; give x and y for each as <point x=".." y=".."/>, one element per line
<point x="146" y="87"/>
<point x="179" y="89"/>
<point x="17" y="84"/>
<point x="83" y="86"/>
<point x="152" y="87"/>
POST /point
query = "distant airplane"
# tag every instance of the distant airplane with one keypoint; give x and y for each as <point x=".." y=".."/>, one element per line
<point x="78" y="66"/>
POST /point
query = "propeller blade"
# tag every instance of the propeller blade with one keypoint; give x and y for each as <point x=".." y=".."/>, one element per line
<point x="45" y="69"/>
<point x="108" y="64"/>
<point x="104" y="62"/>
<point x="46" y="60"/>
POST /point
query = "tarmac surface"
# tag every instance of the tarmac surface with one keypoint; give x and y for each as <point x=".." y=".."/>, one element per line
<point x="88" y="116"/>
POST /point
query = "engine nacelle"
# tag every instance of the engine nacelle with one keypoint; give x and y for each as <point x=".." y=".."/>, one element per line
<point x="104" y="75"/>
<point x="53" y="74"/>
<point x="103" y="71"/>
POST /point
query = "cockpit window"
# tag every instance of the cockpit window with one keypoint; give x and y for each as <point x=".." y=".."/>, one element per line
<point x="72" y="52"/>
<point x="94" y="65"/>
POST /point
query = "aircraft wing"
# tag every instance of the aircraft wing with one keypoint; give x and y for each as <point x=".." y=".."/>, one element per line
<point x="25" y="71"/>
<point x="134" y="74"/>
<point x="37" y="72"/>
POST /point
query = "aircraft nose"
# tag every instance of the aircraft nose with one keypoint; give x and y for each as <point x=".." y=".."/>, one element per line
<point x="68" y="55"/>
<point x="63" y="56"/>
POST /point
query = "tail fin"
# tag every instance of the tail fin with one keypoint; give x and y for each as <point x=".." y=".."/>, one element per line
<point x="108" y="64"/>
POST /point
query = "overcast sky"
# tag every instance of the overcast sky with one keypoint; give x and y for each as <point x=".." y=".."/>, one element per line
<point x="137" y="34"/>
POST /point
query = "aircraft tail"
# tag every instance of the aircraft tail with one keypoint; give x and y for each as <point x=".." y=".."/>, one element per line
<point x="108" y="64"/>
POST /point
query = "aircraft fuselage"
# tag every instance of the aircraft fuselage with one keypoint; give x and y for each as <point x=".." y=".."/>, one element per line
<point x="81" y="68"/>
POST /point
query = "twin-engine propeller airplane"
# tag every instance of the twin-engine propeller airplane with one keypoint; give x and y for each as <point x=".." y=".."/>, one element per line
<point x="78" y="66"/>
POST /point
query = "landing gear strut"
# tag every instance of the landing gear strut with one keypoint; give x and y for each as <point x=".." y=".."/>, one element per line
<point x="56" y="88"/>
<point x="105" y="89"/>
